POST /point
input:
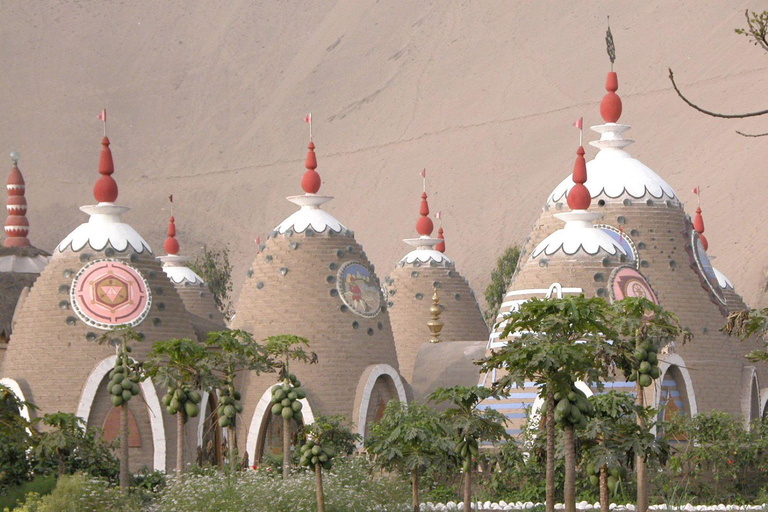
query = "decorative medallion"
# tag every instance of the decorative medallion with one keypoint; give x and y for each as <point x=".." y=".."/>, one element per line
<point x="623" y="239"/>
<point x="628" y="282"/>
<point x="705" y="267"/>
<point x="358" y="289"/>
<point x="106" y="293"/>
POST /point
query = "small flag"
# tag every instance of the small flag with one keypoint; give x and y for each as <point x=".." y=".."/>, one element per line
<point x="579" y="123"/>
<point x="439" y="215"/>
<point x="696" y="190"/>
<point x="170" y="198"/>
<point x="308" y="118"/>
<point x="103" y="115"/>
<point x="423" y="173"/>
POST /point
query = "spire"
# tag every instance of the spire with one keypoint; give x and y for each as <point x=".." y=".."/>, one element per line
<point x="424" y="225"/>
<point x="105" y="190"/>
<point x="171" y="245"/>
<point x="311" y="182"/>
<point x="579" y="197"/>
<point x="441" y="246"/>
<point x="698" y="225"/>
<point x="16" y="225"/>
<point x="434" y="324"/>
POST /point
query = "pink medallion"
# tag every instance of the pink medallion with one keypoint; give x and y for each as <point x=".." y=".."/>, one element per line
<point x="628" y="282"/>
<point x="106" y="293"/>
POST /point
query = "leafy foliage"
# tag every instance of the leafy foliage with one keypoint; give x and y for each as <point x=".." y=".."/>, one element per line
<point x="334" y="432"/>
<point x="214" y="267"/>
<point x="757" y="28"/>
<point x="15" y="466"/>
<point x="500" y="277"/>
<point x="748" y="323"/>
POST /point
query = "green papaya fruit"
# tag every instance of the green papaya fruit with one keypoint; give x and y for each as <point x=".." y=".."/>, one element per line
<point x="229" y="411"/>
<point x="191" y="409"/>
<point x="632" y="376"/>
<point x="126" y="395"/>
<point x="645" y="367"/>
<point x="195" y="397"/>
<point x="653" y="357"/>
<point x="647" y="345"/>
<point x="297" y="416"/>
<point x="127" y="384"/>
<point x="594" y="480"/>
<point x="640" y="354"/>
<point x="655" y="372"/>
<point x="615" y="472"/>
<point x="117" y="401"/>
<point x="296" y="406"/>
<point x="116" y="389"/>
<point x="645" y="381"/>
<point x="287" y="413"/>
<point x="238" y="408"/>
<point x="166" y="399"/>
<point x="293" y="396"/>
<point x="237" y="395"/>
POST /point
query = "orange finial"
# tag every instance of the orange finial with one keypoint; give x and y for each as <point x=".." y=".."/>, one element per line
<point x="171" y="245"/>
<point x="440" y="246"/>
<point x="424" y="225"/>
<point x="610" y="107"/>
<point x="579" y="197"/>
<point x="311" y="182"/>
<point x="105" y="190"/>
<point x="698" y="225"/>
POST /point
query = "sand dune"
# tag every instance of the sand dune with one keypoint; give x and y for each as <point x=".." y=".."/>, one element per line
<point x="206" y="101"/>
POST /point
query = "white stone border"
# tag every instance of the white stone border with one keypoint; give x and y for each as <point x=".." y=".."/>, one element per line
<point x="16" y="390"/>
<point x="364" y="399"/>
<point x="201" y="420"/>
<point x="257" y="422"/>
<point x="88" y="395"/>
<point x="665" y="362"/>
<point x="763" y="402"/>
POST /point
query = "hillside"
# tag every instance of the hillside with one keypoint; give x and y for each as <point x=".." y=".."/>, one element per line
<point x="206" y="101"/>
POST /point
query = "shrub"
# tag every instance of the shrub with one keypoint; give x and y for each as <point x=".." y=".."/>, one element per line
<point x="79" y="493"/>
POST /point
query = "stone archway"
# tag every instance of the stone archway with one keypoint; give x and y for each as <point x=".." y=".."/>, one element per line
<point x="378" y="384"/>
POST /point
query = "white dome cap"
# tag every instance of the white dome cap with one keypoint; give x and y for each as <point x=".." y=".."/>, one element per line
<point x="614" y="175"/>
<point x="578" y="234"/>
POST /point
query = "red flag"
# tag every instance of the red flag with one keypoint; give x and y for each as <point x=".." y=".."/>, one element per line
<point x="423" y="173"/>
<point x="103" y="115"/>
<point x="696" y="191"/>
<point x="439" y="214"/>
<point x="170" y="198"/>
<point x="308" y="118"/>
<point x="579" y="123"/>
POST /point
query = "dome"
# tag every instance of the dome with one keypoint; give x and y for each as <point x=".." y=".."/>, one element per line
<point x="579" y="234"/>
<point x="409" y="288"/>
<point x="311" y="278"/>
<point x="102" y="276"/>
<point x="614" y="175"/>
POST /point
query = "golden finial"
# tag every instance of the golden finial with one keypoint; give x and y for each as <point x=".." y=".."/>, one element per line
<point x="434" y="324"/>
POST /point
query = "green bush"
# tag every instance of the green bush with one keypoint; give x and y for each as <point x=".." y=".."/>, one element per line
<point x="15" y="496"/>
<point x="349" y="487"/>
<point x="79" y="493"/>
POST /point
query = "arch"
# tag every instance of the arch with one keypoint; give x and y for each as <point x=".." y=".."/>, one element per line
<point x="16" y="390"/>
<point x="750" y="394"/>
<point x="365" y="388"/>
<point x="667" y="361"/>
<point x="257" y="422"/>
<point x="149" y="392"/>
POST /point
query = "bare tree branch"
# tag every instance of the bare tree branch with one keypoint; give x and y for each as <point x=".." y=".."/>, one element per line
<point x="751" y="134"/>
<point x="709" y="112"/>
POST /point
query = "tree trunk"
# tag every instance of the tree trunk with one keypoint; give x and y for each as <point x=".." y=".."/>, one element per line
<point x="286" y="447"/>
<point x="62" y="466"/>
<point x="125" y="474"/>
<point x="570" y="470"/>
<point x="468" y="489"/>
<point x="642" y="477"/>
<point x="319" y="488"/>
<point x="415" y="489"/>
<point x="180" y="442"/>
<point x="232" y="447"/>
<point x="605" y="500"/>
<point x="550" y="424"/>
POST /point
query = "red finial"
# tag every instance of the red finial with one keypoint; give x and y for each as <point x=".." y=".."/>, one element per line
<point x="424" y="225"/>
<point x="171" y="245"/>
<point x="610" y="107"/>
<point x="698" y="225"/>
<point x="310" y="182"/>
<point x="579" y="197"/>
<point x="441" y="246"/>
<point x="105" y="190"/>
<point x="16" y="225"/>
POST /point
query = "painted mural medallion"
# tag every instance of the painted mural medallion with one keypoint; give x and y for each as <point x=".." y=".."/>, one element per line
<point x="628" y="282"/>
<point x="358" y="289"/>
<point x="106" y="293"/>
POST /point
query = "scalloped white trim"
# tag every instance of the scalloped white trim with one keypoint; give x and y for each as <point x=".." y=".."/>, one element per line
<point x="104" y="227"/>
<point x="578" y="236"/>
<point x="723" y="281"/>
<point x="425" y="256"/>
<point x="23" y="264"/>
<point x="307" y="216"/>
<point x="179" y="274"/>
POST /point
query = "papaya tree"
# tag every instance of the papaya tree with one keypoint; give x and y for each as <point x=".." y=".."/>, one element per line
<point x="15" y="431"/>
<point x="123" y="384"/>
<point x="470" y="425"/>
<point x="285" y="348"/>
<point x="232" y="353"/>
<point x="747" y="323"/>
<point x="641" y="329"/>
<point x="410" y="439"/>
<point x="183" y="367"/>
<point x="323" y="440"/>
<point x="554" y="343"/>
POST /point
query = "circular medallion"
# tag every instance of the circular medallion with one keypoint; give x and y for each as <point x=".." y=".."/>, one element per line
<point x="358" y="289"/>
<point x="628" y="282"/>
<point x="705" y="266"/>
<point x="623" y="240"/>
<point x="106" y="293"/>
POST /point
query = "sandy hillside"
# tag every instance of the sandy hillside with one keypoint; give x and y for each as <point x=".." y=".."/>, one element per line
<point x="205" y="101"/>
